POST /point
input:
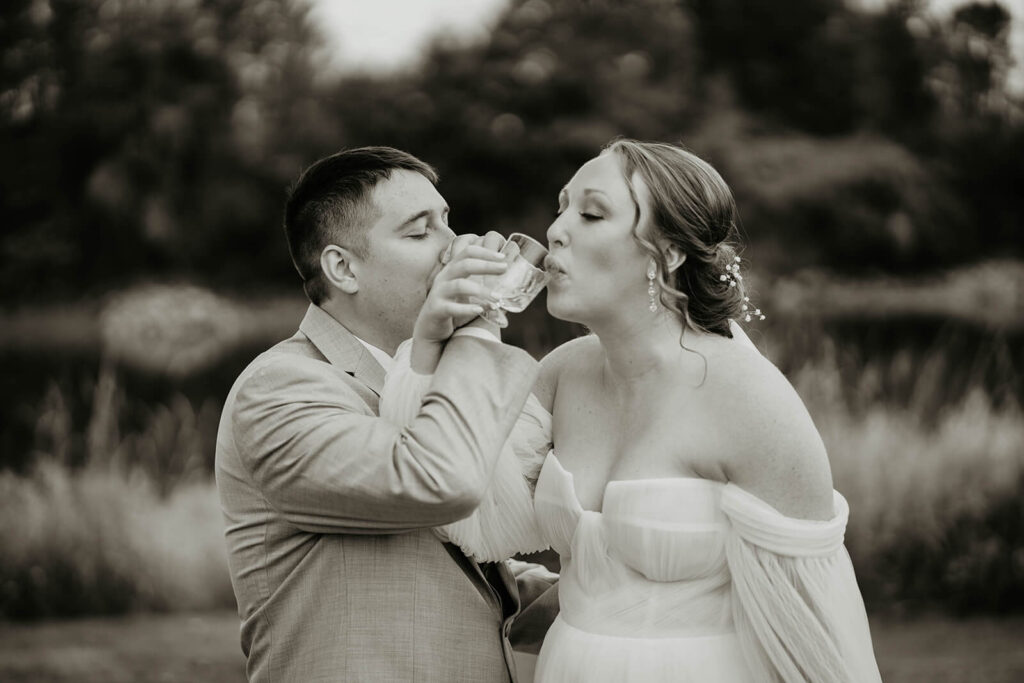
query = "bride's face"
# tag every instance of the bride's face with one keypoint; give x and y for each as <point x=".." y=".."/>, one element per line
<point x="597" y="268"/>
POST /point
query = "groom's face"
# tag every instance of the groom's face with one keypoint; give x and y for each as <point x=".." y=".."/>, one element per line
<point x="403" y="251"/>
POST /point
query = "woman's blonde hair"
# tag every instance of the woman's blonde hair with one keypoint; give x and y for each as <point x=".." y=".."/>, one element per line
<point x="693" y="209"/>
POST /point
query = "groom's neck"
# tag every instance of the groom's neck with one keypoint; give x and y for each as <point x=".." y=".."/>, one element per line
<point x="363" y="326"/>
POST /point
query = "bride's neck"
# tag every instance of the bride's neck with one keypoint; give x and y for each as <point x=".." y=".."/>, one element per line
<point x="636" y="351"/>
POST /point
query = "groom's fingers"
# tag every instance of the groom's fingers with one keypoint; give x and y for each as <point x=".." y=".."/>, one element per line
<point x="468" y="267"/>
<point x="460" y="311"/>
<point x="457" y="245"/>
<point x="461" y="288"/>
<point x="492" y="240"/>
<point x="476" y="251"/>
<point x="472" y="252"/>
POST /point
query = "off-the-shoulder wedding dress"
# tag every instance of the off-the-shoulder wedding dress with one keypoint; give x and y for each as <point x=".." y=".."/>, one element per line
<point x="675" y="579"/>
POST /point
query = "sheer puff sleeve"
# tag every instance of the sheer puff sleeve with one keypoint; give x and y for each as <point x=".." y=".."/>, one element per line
<point x="798" y="611"/>
<point x="504" y="524"/>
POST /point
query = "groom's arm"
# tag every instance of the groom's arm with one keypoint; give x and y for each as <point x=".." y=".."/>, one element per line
<point x="326" y="466"/>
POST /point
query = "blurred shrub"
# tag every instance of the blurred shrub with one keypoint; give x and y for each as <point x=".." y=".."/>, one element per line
<point x="170" y="350"/>
<point x="988" y="294"/>
<point x="137" y="527"/>
<point x="176" y="330"/>
<point x="937" y="517"/>
<point x="858" y="203"/>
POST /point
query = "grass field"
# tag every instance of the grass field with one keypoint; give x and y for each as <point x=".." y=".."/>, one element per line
<point x="204" y="648"/>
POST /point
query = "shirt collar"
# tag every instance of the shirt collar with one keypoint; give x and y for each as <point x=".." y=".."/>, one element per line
<point x="380" y="355"/>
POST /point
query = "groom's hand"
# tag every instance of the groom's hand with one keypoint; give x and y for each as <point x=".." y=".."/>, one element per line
<point x="491" y="240"/>
<point x="448" y="306"/>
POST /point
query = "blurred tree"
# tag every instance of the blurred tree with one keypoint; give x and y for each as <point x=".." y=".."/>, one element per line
<point x="973" y="77"/>
<point x="157" y="137"/>
<point x="977" y="146"/>
<point x="507" y="123"/>
<point x="795" y="62"/>
<point x="819" y="65"/>
<point x="141" y="134"/>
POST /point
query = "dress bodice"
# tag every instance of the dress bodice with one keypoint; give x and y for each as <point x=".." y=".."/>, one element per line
<point x="652" y="562"/>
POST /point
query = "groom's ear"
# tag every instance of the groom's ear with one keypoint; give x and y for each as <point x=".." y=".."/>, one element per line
<point x="336" y="264"/>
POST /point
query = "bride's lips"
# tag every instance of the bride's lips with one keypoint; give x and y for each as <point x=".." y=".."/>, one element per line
<point x="554" y="268"/>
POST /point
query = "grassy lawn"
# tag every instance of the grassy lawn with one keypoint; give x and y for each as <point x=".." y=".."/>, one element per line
<point x="200" y="648"/>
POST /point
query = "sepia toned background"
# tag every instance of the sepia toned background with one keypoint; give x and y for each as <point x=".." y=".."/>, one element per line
<point x="876" y="150"/>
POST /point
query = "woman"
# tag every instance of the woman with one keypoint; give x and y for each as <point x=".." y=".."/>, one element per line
<point x="687" y="491"/>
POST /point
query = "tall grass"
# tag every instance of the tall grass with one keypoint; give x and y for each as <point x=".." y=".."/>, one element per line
<point x="121" y="514"/>
<point x="136" y="527"/>
<point x="936" y="511"/>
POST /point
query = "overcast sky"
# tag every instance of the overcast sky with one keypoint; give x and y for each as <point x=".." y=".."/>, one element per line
<point x="390" y="34"/>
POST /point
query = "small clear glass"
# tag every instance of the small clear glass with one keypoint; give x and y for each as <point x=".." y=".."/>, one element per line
<point x="521" y="282"/>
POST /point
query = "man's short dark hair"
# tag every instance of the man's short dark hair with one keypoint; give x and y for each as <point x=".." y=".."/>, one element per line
<point x="330" y="204"/>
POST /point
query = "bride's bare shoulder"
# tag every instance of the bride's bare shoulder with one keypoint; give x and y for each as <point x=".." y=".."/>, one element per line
<point x="774" y="450"/>
<point x="570" y="357"/>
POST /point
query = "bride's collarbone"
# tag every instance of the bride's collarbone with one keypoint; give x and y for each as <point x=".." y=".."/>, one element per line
<point x="598" y="440"/>
<point x="599" y="453"/>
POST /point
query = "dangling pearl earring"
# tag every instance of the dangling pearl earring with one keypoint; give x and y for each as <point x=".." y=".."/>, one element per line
<point x="651" y="291"/>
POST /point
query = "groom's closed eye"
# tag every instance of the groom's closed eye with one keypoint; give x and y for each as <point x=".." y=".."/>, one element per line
<point x="423" y="225"/>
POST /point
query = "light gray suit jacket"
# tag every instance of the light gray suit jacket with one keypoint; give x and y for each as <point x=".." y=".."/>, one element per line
<point x="328" y="508"/>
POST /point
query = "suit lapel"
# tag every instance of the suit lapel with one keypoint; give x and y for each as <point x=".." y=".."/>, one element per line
<point x="341" y="348"/>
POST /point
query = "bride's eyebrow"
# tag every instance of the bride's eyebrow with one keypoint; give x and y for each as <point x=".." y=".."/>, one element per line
<point x="586" y="191"/>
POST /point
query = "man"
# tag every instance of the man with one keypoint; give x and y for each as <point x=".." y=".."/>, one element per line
<point x="329" y="508"/>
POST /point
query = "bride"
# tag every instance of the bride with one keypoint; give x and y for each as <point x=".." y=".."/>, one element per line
<point x="681" y="479"/>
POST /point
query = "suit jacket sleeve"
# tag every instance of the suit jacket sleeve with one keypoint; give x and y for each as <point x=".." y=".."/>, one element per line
<point x="327" y="466"/>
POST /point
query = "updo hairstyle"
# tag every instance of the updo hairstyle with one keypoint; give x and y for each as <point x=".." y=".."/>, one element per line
<point x="692" y="208"/>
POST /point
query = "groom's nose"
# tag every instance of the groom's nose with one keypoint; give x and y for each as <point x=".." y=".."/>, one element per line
<point x="446" y="254"/>
<point x="443" y="257"/>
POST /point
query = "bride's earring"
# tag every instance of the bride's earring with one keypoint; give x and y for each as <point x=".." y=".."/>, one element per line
<point x="651" y="291"/>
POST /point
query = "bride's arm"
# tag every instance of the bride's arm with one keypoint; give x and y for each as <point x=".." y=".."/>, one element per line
<point x="796" y="606"/>
<point x="778" y="454"/>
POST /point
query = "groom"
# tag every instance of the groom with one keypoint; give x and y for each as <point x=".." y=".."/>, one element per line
<point x="329" y="508"/>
